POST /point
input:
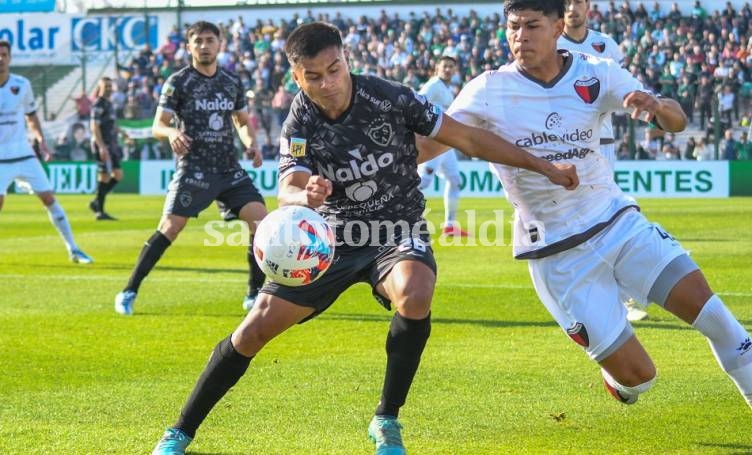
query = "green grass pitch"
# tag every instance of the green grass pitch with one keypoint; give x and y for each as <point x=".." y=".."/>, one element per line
<point x="498" y="376"/>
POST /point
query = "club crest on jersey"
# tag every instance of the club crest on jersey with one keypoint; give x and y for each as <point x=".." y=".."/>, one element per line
<point x="380" y="132"/>
<point x="578" y="333"/>
<point x="15" y="89"/>
<point x="599" y="46"/>
<point x="297" y="147"/>
<point x="588" y="90"/>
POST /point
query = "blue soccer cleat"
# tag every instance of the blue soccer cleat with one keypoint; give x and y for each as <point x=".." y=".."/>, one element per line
<point x="173" y="442"/>
<point x="79" y="257"/>
<point x="249" y="300"/>
<point x="124" y="302"/>
<point x="385" y="432"/>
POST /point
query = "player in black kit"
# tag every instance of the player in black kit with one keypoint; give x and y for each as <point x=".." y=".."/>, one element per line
<point x="106" y="150"/>
<point x="348" y="151"/>
<point x="205" y="101"/>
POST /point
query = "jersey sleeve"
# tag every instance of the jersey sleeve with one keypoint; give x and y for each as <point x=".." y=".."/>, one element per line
<point x="421" y="116"/>
<point x="97" y="111"/>
<point x="470" y="105"/>
<point x="620" y="84"/>
<point x="616" y="54"/>
<point x="29" y="104"/>
<point x="294" y="149"/>
<point x="168" y="99"/>
<point x="240" y="104"/>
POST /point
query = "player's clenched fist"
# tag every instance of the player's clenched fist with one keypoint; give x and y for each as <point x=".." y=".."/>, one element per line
<point x="317" y="190"/>
<point x="180" y="142"/>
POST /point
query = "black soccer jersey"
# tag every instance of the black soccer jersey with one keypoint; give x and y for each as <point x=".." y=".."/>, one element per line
<point x="104" y="114"/>
<point x="203" y="106"/>
<point x="368" y="153"/>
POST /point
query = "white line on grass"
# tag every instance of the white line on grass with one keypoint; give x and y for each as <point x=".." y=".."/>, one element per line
<point x="243" y="280"/>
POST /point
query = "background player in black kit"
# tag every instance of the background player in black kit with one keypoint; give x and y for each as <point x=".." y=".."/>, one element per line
<point x="204" y="101"/>
<point x="348" y="150"/>
<point x="106" y="151"/>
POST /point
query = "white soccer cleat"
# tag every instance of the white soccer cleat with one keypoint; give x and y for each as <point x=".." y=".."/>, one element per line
<point x="124" y="302"/>
<point x="79" y="257"/>
<point x="634" y="311"/>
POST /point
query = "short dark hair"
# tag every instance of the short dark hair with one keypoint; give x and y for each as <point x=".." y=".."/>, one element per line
<point x="547" y="7"/>
<point x="308" y="40"/>
<point x="447" y="58"/>
<point x="6" y="44"/>
<point x="201" y="27"/>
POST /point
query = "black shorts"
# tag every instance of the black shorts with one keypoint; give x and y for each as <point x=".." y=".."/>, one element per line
<point x="367" y="264"/>
<point x="190" y="192"/>
<point x="116" y="154"/>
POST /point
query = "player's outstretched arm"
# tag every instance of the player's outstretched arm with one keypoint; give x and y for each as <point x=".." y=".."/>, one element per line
<point x="483" y="144"/>
<point x="302" y="188"/>
<point x="161" y="129"/>
<point x="666" y="112"/>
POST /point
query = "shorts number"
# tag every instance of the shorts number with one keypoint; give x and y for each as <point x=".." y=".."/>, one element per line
<point x="664" y="235"/>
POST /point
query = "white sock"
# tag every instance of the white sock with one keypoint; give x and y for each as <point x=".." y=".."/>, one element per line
<point x="451" y="200"/>
<point x="630" y="394"/>
<point x="60" y="221"/>
<point x="729" y="342"/>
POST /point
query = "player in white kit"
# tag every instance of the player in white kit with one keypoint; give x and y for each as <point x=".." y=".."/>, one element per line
<point x="587" y="245"/>
<point x="577" y="37"/>
<point x="438" y="91"/>
<point x="17" y="159"/>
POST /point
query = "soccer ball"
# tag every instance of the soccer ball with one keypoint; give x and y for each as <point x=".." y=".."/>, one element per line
<point x="294" y="245"/>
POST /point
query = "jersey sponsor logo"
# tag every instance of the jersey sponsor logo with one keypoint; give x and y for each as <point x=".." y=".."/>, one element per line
<point x="361" y="191"/>
<point x="380" y="132"/>
<point x="15" y="89"/>
<point x="297" y="147"/>
<point x="572" y="153"/>
<point x="599" y="46"/>
<point x="357" y="168"/>
<point x="215" y="122"/>
<point x="220" y="103"/>
<point x="382" y="105"/>
<point x="579" y="334"/>
<point x="547" y="137"/>
<point x="554" y="121"/>
<point x="588" y="89"/>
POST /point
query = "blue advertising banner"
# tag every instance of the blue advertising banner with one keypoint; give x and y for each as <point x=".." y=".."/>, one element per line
<point x="27" y="6"/>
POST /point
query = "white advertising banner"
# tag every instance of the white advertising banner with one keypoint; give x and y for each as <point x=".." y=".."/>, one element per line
<point x="62" y="39"/>
<point x="680" y="179"/>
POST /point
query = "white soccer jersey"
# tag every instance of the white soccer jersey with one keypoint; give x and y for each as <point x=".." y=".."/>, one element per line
<point x="16" y="100"/>
<point x="599" y="45"/>
<point x="438" y="92"/>
<point x="559" y="121"/>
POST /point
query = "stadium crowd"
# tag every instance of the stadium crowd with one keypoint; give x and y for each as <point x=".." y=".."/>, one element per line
<point x="704" y="60"/>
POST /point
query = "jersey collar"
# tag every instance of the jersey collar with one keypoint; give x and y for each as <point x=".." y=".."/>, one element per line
<point x="569" y="38"/>
<point x="568" y="59"/>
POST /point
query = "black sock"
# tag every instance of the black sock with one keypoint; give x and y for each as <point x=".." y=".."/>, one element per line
<point x="150" y="254"/>
<point x="226" y="366"/>
<point x="111" y="184"/>
<point x="404" y="346"/>
<point x="256" y="276"/>
<point x="101" y="193"/>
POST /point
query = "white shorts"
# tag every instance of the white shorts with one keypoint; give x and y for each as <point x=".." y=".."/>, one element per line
<point x="580" y="287"/>
<point x="26" y="172"/>
<point x="445" y="165"/>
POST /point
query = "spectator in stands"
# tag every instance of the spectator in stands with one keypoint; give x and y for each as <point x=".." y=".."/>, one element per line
<point x="728" y="146"/>
<point x="744" y="147"/>
<point x="74" y="145"/>
<point x="83" y="105"/>
<point x="726" y="104"/>
<point x="703" y="151"/>
<point x="704" y="101"/>
<point x="689" y="149"/>
<point x="281" y="103"/>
